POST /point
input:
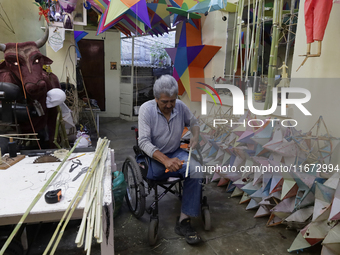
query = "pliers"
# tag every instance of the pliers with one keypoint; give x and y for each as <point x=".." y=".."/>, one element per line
<point x="75" y="164"/>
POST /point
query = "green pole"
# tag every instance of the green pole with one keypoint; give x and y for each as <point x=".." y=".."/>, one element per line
<point x="238" y="32"/>
<point x="273" y="55"/>
<point x="257" y="38"/>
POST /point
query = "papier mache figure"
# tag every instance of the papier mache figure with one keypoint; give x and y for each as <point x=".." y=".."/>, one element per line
<point x="23" y="68"/>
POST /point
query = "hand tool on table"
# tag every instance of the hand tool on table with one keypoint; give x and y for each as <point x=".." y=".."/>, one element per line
<point x="53" y="196"/>
<point x="75" y="164"/>
<point x="82" y="171"/>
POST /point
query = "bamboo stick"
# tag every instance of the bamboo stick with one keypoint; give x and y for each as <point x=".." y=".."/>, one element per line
<point x="100" y="147"/>
<point x="257" y="37"/>
<point x="238" y="33"/>
<point x="99" y="205"/>
<point x="292" y="4"/>
<point x="20" y="138"/>
<point x="250" y="55"/>
<point x="233" y="45"/>
<point x="81" y="233"/>
<point x="74" y="205"/>
<point x="247" y="41"/>
<point x="89" y="234"/>
<point x="88" y="102"/>
<point x="188" y="163"/>
<point x="273" y="55"/>
<point x="22" y="134"/>
<point x="35" y="200"/>
<point x="75" y="201"/>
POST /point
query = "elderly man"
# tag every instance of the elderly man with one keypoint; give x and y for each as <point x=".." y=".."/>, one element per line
<point x="160" y="124"/>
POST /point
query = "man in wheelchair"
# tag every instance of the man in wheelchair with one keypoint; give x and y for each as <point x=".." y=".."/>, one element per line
<point x="160" y="125"/>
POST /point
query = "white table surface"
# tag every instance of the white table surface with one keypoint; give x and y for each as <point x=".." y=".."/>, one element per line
<point x="20" y="183"/>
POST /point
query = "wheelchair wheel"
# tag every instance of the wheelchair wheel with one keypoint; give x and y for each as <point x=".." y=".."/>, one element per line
<point x="135" y="192"/>
<point x="153" y="231"/>
<point x="206" y="219"/>
<point x="206" y="214"/>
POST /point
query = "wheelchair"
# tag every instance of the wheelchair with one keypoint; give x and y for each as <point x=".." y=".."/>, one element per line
<point x="139" y="187"/>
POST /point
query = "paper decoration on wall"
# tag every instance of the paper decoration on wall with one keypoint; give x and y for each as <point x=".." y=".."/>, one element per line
<point x="78" y="35"/>
<point x="190" y="58"/>
<point x="56" y="38"/>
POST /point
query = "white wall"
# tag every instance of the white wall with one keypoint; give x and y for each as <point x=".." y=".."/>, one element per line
<point x="24" y="17"/>
<point x="64" y="61"/>
<point x="214" y="32"/>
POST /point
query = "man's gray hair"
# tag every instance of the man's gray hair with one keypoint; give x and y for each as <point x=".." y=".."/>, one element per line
<point x="166" y="84"/>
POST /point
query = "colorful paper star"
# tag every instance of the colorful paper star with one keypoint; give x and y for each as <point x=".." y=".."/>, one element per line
<point x="190" y="58"/>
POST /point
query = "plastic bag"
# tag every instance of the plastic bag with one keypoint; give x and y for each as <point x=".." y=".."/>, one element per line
<point x="118" y="190"/>
<point x="85" y="140"/>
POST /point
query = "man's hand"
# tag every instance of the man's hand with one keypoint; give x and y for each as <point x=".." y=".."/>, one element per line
<point x="173" y="164"/>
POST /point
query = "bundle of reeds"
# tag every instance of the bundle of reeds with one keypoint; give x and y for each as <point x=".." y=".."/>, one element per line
<point x="93" y="206"/>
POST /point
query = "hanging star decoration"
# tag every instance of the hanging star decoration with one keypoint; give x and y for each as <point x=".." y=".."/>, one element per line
<point x="190" y="58"/>
<point x="159" y="17"/>
<point x="131" y="14"/>
<point x="180" y="9"/>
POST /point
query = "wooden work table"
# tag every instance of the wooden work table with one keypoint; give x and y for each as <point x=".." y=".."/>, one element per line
<point x="20" y="183"/>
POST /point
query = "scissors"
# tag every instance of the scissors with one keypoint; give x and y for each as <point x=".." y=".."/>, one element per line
<point x="75" y="164"/>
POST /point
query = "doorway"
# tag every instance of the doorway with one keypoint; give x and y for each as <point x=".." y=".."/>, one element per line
<point x="92" y="68"/>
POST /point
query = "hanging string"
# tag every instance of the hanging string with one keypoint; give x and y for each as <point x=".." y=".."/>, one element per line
<point x="23" y="88"/>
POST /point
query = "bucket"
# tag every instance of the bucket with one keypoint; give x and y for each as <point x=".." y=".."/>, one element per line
<point x="258" y="96"/>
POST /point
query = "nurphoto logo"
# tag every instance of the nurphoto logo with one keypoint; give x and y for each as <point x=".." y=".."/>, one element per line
<point x="238" y="103"/>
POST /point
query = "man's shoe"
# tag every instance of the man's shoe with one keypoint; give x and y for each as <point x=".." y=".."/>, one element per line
<point x="184" y="228"/>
